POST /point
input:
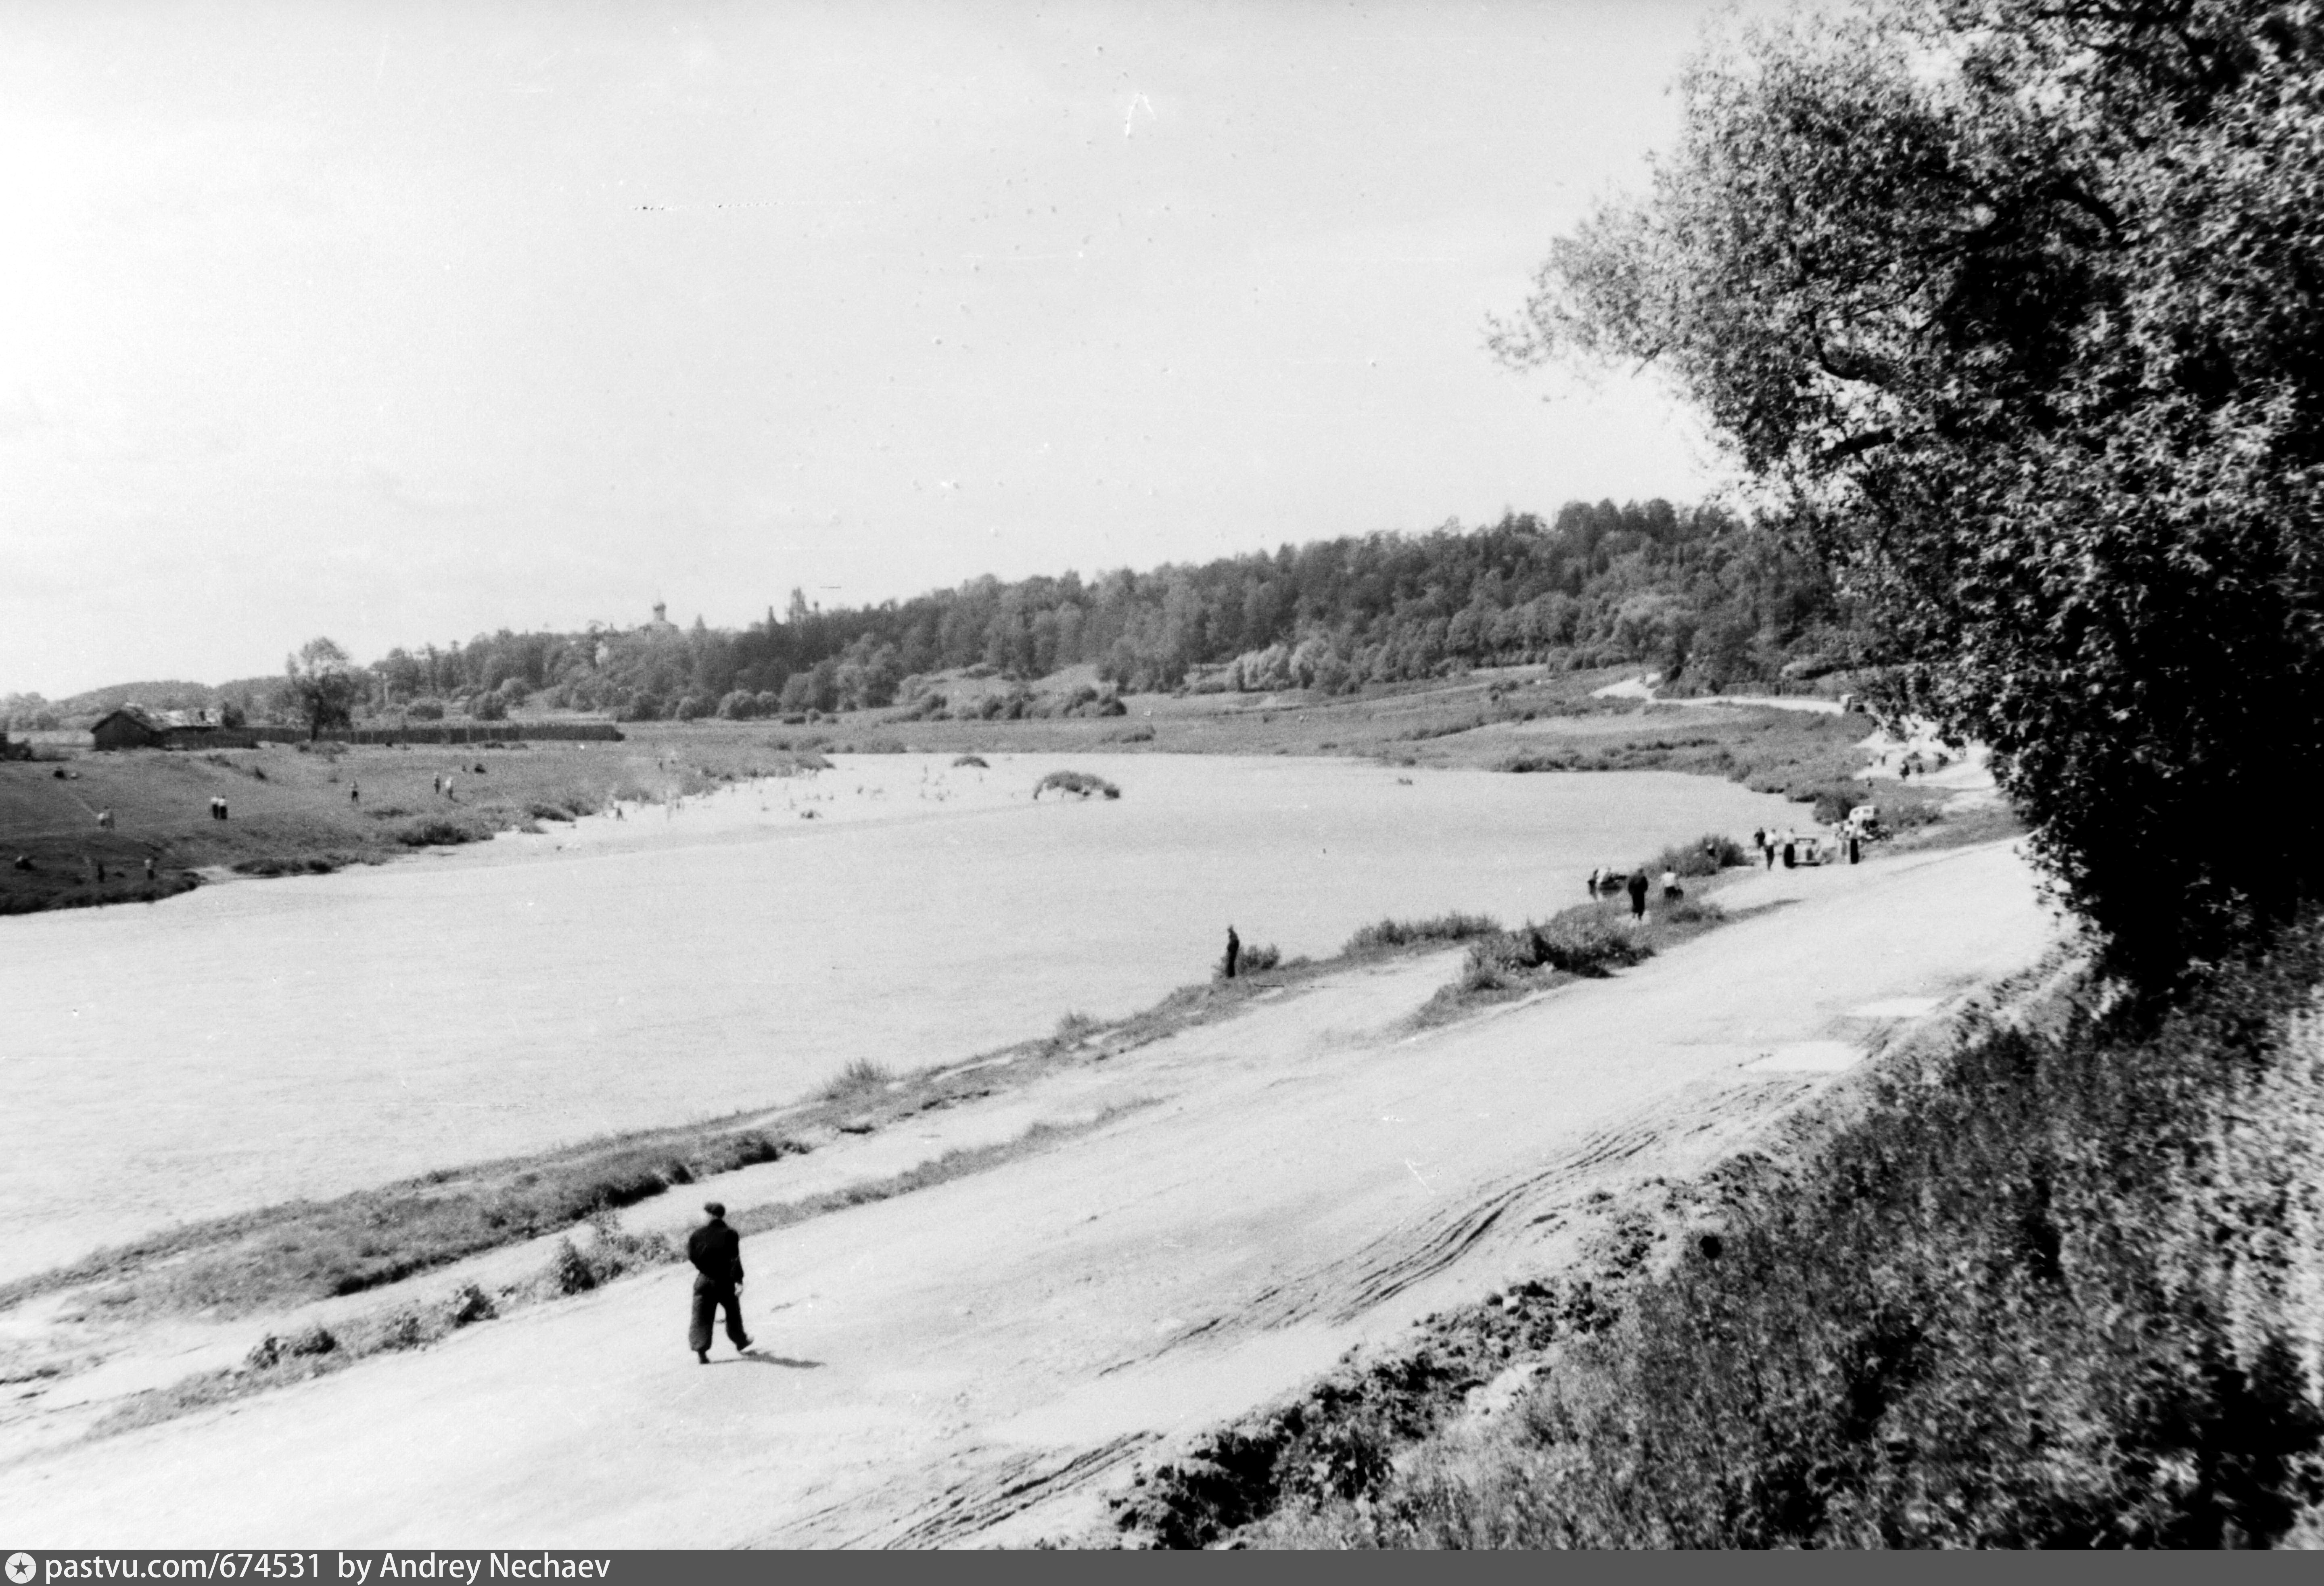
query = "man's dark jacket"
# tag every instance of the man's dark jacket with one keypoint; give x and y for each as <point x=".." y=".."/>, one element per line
<point x="717" y="1251"/>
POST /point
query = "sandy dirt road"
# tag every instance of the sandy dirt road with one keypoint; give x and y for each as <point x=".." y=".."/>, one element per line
<point x="977" y="1361"/>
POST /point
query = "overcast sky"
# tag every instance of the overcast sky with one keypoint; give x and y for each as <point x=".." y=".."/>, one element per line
<point x="401" y="323"/>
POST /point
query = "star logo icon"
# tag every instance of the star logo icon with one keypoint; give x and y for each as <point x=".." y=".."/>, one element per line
<point x="21" y="1568"/>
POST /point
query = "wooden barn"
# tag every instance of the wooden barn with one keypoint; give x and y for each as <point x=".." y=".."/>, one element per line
<point x="134" y="726"/>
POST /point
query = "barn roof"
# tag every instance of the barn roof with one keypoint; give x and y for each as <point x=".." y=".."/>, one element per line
<point x="135" y="713"/>
<point x="158" y="721"/>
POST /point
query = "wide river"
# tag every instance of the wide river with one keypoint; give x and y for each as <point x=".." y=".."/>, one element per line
<point x="268" y="1040"/>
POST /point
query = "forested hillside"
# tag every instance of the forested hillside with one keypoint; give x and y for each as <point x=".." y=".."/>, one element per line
<point x="1710" y="602"/>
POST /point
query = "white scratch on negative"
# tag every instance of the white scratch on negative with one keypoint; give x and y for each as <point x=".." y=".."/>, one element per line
<point x="1128" y="119"/>
<point x="1414" y="1169"/>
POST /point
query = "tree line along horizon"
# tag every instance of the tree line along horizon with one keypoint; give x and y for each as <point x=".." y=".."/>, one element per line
<point x="1698" y="594"/>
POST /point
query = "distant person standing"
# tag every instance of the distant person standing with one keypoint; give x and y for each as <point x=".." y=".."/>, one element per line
<point x="355" y="792"/>
<point x="1670" y="886"/>
<point x="1597" y="873"/>
<point x="1855" y="848"/>
<point x="1768" y="851"/>
<point x="717" y="1251"/>
<point x="1234" y="951"/>
<point x="148" y="870"/>
<point x="1637" y="894"/>
<point x="1790" y="857"/>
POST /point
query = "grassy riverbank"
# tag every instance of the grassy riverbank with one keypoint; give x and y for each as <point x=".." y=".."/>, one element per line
<point x="295" y="810"/>
<point x="2056" y="1284"/>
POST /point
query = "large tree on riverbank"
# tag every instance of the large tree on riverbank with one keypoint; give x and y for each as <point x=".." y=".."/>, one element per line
<point x="321" y="686"/>
<point x="2018" y="306"/>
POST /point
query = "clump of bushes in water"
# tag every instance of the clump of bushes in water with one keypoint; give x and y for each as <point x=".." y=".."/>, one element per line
<point x="1406" y="933"/>
<point x="317" y="865"/>
<point x="1076" y="782"/>
<point x="438" y="831"/>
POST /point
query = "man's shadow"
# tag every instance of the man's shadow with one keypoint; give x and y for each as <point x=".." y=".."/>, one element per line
<point x="755" y="1358"/>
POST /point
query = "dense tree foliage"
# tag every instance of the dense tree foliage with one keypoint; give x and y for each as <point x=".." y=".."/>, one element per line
<point x="1689" y="592"/>
<point x="320" y="686"/>
<point x="2018" y="305"/>
<point x="1709" y="602"/>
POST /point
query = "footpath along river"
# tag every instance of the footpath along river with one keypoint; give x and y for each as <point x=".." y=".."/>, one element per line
<point x="263" y="1041"/>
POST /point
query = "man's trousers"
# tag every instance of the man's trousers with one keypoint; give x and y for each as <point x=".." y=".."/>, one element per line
<point x="709" y="1294"/>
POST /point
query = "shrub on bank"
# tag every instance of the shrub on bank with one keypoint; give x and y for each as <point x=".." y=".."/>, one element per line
<point x="1706" y="856"/>
<point x="270" y="1351"/>
<point x="858" y="1078"/>
<point x="611" y="1253"/>
<point x="1406" y="933"/>
<point x="1581" y="943"/>
<point x="1249" y="959"/>
<point x="1832" y="804"/>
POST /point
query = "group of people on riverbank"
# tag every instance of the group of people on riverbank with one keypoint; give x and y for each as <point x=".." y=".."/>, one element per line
<point x="1847" y="839"/>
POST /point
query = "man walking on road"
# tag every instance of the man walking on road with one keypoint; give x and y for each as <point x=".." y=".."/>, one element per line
<point x="1234" y="951"/>
<point x="717" y="1251"/>
<point x="1638" y="893"/>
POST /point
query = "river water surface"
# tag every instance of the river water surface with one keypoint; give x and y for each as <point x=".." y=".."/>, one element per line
<point x="262" y="1041"/>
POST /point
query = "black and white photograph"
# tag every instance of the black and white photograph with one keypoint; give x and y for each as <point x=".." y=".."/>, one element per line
<point x="811" y="774"/>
